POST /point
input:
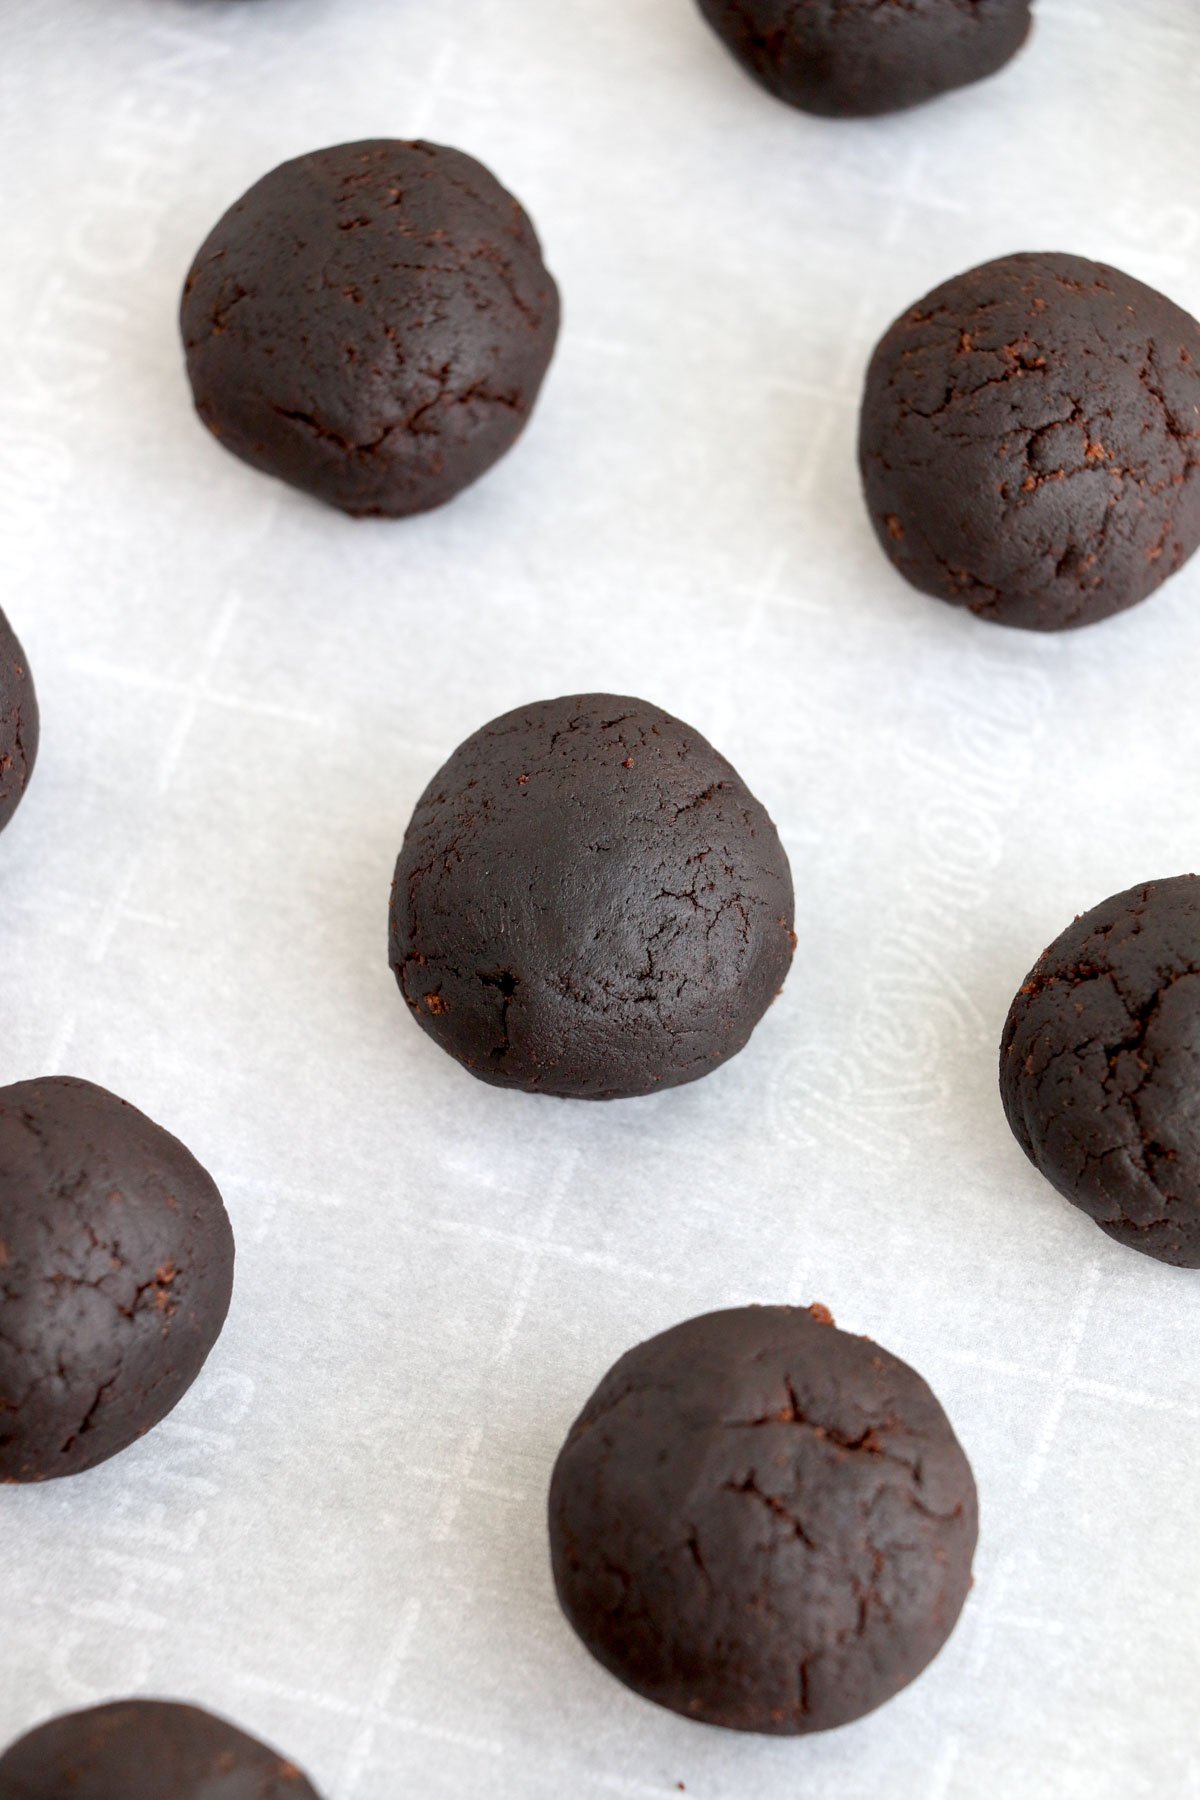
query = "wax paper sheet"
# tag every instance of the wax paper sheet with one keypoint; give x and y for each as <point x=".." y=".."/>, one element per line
<point x="338" y="1538"/>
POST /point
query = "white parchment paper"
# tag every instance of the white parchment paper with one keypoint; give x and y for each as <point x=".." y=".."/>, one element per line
<point x="338" y="1538"/>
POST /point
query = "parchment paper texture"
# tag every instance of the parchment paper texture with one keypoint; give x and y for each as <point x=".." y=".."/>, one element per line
<point x="338" y="1539"/>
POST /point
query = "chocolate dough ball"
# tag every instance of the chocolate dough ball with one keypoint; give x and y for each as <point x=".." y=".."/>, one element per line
<point x="1100" y="1067"/>
<point x="371" y="323"/>
<point x="146" y="1750"/>
<point x="116" y="1265"/>
<point x="589" y="902"/>
<point x="1030" y="441"/>
<point x="846" y="58"/>
<point x="18" y="723"/>
<point x="762" y="1522"/>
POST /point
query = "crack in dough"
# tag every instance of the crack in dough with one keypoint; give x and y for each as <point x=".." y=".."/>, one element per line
<point x="763" y="1522"/>
<point x="1030" y="441"/>
<point x="372" y="323"/>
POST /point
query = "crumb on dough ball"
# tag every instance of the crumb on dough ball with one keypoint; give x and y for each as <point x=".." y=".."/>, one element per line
<point x="848" y="58"/>
<point x="1100" y="1067"/>
<point x="1030" y="441"/>
<point x="589" y="902"/>
<point x="762" y="1522"/>
<point x="371" y="323"/>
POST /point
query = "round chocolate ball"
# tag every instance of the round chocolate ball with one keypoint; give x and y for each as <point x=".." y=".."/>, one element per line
<point x="18" y="723"/>
<point x="1100" y="1067"/>
<point x="1030" y="441"/>
<point x="589" y="902"/>
<point x="116" y="1267"/>
<point x="762" y="1522"/>
<point x="371" y="323"/>
<point x="859" y="57"/>
<point x="146" y="1750"/>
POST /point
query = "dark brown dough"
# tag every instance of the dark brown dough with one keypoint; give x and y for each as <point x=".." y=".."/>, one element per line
<point x="116" y="1266"/>
<point x="372" y="323"/>
<point x="847" y="58"/>
<point x="762" y="1522"/>
<point x="1100" y="1067"/>
<point x="18" y="723"/>
<point x="146" y="1750"/>
<point x="1030" y="441"/>
<point x="590" y="903"/>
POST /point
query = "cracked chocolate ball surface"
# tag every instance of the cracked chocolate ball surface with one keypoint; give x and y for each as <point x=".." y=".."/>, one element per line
<point x="116" y="1266"/>
<point x="1100" y="1067"/>
<point x="762" y="1522"/>
<point x="848" y="58"/>
<point x="146" y="1750"/>
<point x="372" y="323"/>
<point x="1030" y="441"/>
<point x="589" y="902"/>
<point x="18" y="723"/>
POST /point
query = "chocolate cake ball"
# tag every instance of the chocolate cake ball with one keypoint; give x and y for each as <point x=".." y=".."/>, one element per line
<point x="116" y="1265"/>
<point x="1100" y="1067"/>
<point x="1030" y="441"/>
<point x="589" y="902"/>
<point x="762" y="1522"/>
<point x="371" y="323"/>
<point x="851" y="57"/>
<point x="18" y="723"/>
<point x="146" y="1750"/>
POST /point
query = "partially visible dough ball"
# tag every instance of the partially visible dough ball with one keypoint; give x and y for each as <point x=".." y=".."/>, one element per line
<point x="1100" y="1067"/>
<point x="19" y="723"/>
<point x="116" y="1268"/>
<point x="146" y="1750"/>
<point x="846" y="58"/>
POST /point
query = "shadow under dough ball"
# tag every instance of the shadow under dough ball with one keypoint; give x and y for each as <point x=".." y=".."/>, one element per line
<point x="850" y="58"/>
<point x="116" y="1267"/>
<point x="590" y="903"/>
<point x="18" y="723"/>
<point x="371" y="323"/>
<point x="146" y="1750"/>
<point x="1030" y="441"/>
<point x="762" y="1522"/>
<point x="1100" y="1067"/>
